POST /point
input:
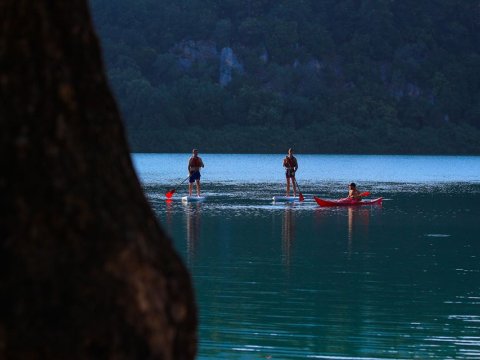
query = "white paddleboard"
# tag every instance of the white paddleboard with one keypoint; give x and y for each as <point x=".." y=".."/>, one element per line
<point x="285" y="198"/>
<point x="193" y="198"/>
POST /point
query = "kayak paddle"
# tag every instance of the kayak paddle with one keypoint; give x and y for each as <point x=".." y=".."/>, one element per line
<point x="300" y="195"/>
<point x="170" y="193"/>
<point x="363" y="194"/>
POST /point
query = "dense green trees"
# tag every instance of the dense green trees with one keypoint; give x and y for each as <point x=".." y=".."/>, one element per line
<point x="386" y="76"/>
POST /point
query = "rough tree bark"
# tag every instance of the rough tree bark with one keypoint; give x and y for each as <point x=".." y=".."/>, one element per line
<point x="85" y="270"/>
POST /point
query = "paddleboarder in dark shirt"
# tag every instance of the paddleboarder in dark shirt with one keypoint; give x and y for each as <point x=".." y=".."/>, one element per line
<point x="291" y="165"/>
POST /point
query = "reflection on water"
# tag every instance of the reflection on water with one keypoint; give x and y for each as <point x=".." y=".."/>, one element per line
<point x="193" y="218"/>
<point x="296" y="281"/>
<point x="358" y="221"/>
<point x="288" y="233"/>
<point x="169" y="212"/>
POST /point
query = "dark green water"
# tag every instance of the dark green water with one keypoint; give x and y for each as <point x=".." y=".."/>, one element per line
<point x="280" y="281"/>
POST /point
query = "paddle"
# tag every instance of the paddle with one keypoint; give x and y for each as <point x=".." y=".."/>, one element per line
<point x="363" y="194"/>
<point x="170" y="193"/>
<point x="300" y="195"/>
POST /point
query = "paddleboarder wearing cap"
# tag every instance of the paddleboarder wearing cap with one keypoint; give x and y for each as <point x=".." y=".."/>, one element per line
<point x="194" y="165"/>
<point x="291" y="165"/>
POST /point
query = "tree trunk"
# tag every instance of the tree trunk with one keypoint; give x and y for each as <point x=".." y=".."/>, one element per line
<point x="85" y="270"/>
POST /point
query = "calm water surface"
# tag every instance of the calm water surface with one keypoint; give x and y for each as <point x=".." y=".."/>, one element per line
<point x="296" y="281"/>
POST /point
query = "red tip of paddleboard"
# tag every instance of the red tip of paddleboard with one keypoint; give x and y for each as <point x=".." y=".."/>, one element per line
<point x="169" y="194"/>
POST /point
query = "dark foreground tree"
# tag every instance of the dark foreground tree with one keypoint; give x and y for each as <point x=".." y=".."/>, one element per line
<point x="85" y="270"/>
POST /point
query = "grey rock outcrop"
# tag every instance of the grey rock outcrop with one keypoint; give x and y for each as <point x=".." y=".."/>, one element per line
<point x="228" y="64"/>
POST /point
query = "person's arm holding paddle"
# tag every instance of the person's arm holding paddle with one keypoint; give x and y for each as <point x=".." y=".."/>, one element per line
<point x="294" y="163"/>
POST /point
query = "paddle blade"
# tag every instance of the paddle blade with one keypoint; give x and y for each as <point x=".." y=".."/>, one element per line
<point x="300" y="197"/>
<point x="366" y="193"/>
<point x="170" y="193"/>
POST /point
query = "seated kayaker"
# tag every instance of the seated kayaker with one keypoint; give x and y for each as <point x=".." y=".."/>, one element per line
<point x="353" y="193"/>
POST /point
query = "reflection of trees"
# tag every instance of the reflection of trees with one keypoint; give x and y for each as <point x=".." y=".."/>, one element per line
<point x="193" y="212"/>
<point x="288" y="234"/>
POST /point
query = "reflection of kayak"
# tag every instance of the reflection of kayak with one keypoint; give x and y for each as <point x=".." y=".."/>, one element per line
<point x="285" y="198"/>
<point x="193" y="198"/>
<point x="347" y="202"/>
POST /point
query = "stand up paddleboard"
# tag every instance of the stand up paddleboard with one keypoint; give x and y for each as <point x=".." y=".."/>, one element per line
<point x="285" y="198"/>
<point x="193" y="198"/>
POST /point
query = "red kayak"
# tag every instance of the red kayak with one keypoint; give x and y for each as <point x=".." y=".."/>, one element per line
<point x="347" y="202"/>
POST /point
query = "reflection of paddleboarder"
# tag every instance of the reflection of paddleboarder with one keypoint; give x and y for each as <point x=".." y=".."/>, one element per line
<point x="290" y="164"/>
<point x="194" y="165"/>
<point x="193" y="229"/>
<point x="288" y="234"/>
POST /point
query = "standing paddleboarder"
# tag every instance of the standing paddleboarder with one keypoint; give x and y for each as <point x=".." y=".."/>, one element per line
<point x="194" y="165"/>
<point x="291" y="165"/>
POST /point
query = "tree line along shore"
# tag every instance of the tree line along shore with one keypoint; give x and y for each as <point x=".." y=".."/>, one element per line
<point x="333" y="76"/>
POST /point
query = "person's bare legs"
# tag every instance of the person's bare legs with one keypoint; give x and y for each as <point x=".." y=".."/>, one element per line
<point x="294" y="187"/>
<point x="288" y="187"/>
<point x="190" y="186"/>
<point x="198" y="187"/>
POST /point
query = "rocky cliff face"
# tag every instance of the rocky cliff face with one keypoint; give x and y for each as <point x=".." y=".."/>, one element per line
<point x="228" y="64"/>
<point x="189" y="52"/>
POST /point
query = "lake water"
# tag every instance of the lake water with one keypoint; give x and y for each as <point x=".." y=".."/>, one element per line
<point x="296" y="281"/>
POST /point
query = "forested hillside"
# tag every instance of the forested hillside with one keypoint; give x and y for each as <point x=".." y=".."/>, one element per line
<point x="324" y="76"/>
